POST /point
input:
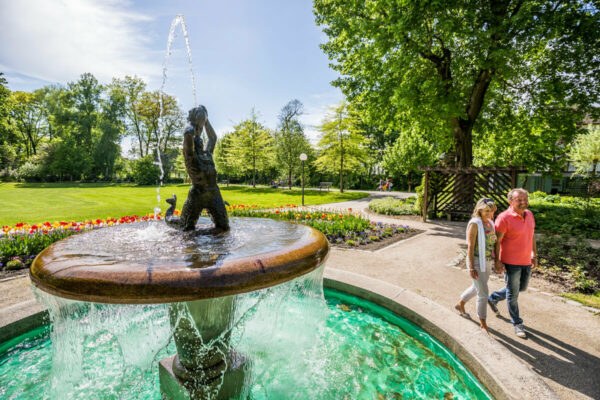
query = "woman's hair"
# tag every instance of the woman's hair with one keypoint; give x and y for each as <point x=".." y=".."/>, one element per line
<point x="481" y="204"/>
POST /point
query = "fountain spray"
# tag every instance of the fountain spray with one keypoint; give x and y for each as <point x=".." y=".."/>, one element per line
<point x="178" y="20"/>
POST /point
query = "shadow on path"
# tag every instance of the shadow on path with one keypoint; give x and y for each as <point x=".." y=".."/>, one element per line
<point x="566" y="365"/>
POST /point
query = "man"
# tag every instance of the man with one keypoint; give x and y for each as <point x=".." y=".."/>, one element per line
<point x="516" y="253"/>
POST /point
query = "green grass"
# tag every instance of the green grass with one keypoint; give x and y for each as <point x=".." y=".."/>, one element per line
<point x="590" y="300"/>
<point x="40" y="202"/>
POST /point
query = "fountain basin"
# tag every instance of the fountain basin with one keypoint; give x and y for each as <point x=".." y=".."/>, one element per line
<point x="101" y="266"/>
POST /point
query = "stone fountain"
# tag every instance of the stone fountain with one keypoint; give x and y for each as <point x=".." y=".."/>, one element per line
<point x="198" y="271"/>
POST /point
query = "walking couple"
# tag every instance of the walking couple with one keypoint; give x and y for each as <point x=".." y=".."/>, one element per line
<point x="509" y="246"/>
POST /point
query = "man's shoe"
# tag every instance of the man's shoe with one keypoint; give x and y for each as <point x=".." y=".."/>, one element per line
<point x="493" y="306"/>
<point x="519" y="331"/>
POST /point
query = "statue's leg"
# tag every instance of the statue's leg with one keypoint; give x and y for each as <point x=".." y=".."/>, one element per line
<point x="192" y="208"/>
<point x="218" y="212"/>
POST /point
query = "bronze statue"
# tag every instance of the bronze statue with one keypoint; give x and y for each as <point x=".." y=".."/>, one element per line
<point x="204" y="193"/>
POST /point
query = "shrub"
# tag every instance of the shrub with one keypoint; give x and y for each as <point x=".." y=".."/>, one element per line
<point x="393" y="206"/>
<point x="14" y="264"/>
<point x="31" y="172"/>
<point x="571" y="260"/>
<point x="145" y="172"/>
<point x="557" y="214"/>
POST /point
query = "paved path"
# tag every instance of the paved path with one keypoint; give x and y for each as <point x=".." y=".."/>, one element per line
<point x="564" y="339"/>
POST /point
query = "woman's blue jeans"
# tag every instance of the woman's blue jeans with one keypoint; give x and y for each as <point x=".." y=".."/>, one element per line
<point x="517" y="279"/>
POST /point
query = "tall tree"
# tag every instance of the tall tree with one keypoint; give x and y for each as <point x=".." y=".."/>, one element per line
<point x="290" y="140"/>
<point x="132" y="88"/>
<point x="342" y="148"/>
<point x="252" y="146"/>
<point x="446" y="61"/>
<point x="585" y="155"/>
<point x="225" y="156"/>
<point x="409" y="152"/>
<point x="170" y="127"/>
<point x="29" y="117"/>
<point x="85" y="94"/>
<point x="111" y="127"/>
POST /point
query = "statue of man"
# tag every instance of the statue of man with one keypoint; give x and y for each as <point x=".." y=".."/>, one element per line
<point x="204" y="193"/>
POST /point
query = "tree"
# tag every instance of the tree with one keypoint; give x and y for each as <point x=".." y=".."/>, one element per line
<point x="111" y="127"/>
<point x="252" y="146"/>
<point x="132" y="88"/>
<point x="450" y="63"/>
<point x="290" y="140"/>
<point x="585" y="155"/>
<point x="342" y="148"/>
<point x="85" y="95"/>
<point x="225" y="157"/>
<point x="29" y="117"/>
<point x="169" y="135"/>
<point x="410" y="151"/>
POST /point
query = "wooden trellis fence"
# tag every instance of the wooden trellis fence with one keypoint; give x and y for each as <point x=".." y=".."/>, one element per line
<point x="454" y="191"/>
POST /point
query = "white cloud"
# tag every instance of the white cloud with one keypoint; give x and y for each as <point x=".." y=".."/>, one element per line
<point x="58" y="40"/>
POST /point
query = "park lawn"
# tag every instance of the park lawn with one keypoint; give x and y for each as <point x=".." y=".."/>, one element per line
<point x="40" y="202"/>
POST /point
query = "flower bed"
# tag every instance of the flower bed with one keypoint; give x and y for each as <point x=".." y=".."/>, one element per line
<point x="20" y="243"/>
<point x="394" y="206"/>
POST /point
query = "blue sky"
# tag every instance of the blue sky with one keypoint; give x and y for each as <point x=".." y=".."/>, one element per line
<point x="246" y="54"/>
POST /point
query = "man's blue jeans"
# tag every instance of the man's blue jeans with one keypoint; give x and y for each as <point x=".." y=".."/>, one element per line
<point x="517" y="279"/>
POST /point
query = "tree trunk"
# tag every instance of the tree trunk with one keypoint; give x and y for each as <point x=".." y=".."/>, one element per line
<point x="409" y="180"/>
<point x="254" y="172"/>
<point x="290" y="178"/>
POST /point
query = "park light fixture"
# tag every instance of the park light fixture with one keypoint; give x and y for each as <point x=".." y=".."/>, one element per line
<point x="303" y="158"/>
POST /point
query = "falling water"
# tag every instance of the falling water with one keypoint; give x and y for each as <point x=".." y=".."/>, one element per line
<point x="178" y="20"/>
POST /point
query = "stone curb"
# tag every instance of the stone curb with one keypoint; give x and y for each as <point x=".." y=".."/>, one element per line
<point x="505" y="376"/>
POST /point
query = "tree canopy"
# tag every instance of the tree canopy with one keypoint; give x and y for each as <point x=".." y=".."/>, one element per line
<point x="342" y="149"/>
<point x="585" y="154"/>
<point x="290" y="140"/>
<point x="463" y="66"/>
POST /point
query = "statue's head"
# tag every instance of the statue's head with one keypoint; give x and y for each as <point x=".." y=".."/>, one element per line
<point x="198" y="116"/>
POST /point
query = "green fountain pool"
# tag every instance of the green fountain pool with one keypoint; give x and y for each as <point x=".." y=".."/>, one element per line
<point x="302" y="347"/>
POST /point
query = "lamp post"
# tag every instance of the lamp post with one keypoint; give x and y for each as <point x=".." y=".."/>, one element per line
<point x="303" y="158"/>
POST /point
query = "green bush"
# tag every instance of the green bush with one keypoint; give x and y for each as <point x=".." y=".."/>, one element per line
<point x="14" y="264"/>
<point x="394" y="206"/>
<point x="31" y="172"/>
<point x="572" y="260"/>
<point x="145" y="172"/>
<point x="566" y="215"/>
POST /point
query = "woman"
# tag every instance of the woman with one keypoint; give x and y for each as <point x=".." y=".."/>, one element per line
<point x="481" y="239"/>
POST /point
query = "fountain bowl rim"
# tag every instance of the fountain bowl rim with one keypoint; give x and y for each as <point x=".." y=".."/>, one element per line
<point x="58" y="273"/>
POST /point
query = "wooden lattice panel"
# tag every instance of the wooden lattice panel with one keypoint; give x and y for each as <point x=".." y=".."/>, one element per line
<point x="454" y="191"/>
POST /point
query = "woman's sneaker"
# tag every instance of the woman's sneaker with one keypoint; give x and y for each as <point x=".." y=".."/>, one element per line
<point x="493" y="306"/>
<point x="520" y="331"/>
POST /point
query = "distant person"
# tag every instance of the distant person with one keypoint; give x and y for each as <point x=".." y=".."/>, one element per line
<point x="380" y="185"/>
<point x="389" y="185"/>
<point x="273" y="184"/>
<point x="516" y="252"/>
<point x="481" y="242"/>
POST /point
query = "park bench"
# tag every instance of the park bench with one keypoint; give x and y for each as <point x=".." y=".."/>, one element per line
<point x="325" y="185"/>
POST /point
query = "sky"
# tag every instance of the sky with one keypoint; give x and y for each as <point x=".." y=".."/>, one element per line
<point x="246" y="54"/>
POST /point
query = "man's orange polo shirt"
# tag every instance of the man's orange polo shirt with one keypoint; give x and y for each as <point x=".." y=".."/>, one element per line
<point x="517" y="243"/>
